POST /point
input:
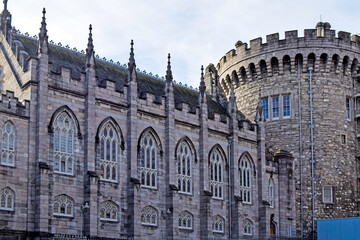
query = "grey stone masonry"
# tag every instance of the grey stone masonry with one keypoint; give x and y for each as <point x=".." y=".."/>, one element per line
<point x="276" y="74"/>
<point x="104" y="151"/>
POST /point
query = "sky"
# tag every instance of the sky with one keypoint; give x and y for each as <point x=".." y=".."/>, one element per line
<point x="194" y="32"/>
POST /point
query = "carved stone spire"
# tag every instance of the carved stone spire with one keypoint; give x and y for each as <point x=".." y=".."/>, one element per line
<point x="43" y="37"/>
<point x="5" y="5"/>
<point x="202" y="87"/>
<point x="132" y="64"/>
<point x="169" y="76"/>
<point x="90" y="59"/>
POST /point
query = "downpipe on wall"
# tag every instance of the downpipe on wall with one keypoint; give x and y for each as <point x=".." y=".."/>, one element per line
<point x="300" y="156"/>
<point x="310" y="69"/>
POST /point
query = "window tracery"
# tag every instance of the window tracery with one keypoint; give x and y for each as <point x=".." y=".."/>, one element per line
<point x="148" y="160"/>
<point x="108" y="153"/>
<point x="217" y="174"/>
<point x="218" y="224"/>
<point x="185" y="220"/>
<point x="64" y="144"/>
<point x="184" y="162"/>
<point x="245" y="170"/>
<point x="63" y="205"/>
<point x="8" y="144"/>
<point x="108" y="211"/>
<point x="7" y="197"/>
<point x="149" y="216"/>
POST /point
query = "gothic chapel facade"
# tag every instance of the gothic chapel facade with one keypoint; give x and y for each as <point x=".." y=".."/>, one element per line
<point x="94" y="148"/>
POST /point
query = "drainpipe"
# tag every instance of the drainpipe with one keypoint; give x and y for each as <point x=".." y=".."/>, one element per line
<point x="229" y="188"/>
<point x="300" y="156"/>
<point x="312" y="153"/>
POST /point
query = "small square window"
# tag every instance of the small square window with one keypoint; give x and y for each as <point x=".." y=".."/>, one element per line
<point x="348" y="108"/>
<point x="328" y="194"/>
<point x="343" y="139"/>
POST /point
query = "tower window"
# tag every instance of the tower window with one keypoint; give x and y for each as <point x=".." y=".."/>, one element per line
<point x="265" y="103"/>
<point x="286" y="106"/>
<point x="348" y="113"/>
<point x="275" y="107"/>
<point x="328" y="194"/>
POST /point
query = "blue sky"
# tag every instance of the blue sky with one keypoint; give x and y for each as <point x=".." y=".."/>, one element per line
<point x="195" y="32"/>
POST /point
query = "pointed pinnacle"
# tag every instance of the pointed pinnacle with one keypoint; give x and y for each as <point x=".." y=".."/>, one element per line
<point x="131" y="63"/>
<point x="90" y="46"/>
<point x="202" y="82"/>
<point x="43" y="30"/>
<point x="169" y="76"/>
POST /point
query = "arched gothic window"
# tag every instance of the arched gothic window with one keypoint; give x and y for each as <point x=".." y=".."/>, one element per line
<point x="271" y="193"/>
<point x="8" y="144"/>
<point x="64" y="144"/>
<point x="108" y="153"/>
<point x="218" y="224"/>
<point x="245" y="169"/>
<point x="63" y="205"/>
<point x="148" y="160"/>
<point x="185" y="220"/>
<point x="149" y="216"/>
<point x="217" y="174"/>
<point x="7" y="197"/>
<point x="248" y="227"/>
<point x="108" y="211"/>
<point x="184" y="161"/>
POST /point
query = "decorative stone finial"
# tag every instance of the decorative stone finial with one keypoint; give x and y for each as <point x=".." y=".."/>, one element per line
<point x="169" y="76"/>
<point x="43" y="37"/>
<point x="202" y="87"/>
<point x="5" y="5"/>
<point x="90" y="59"/>
<point x="132" y="64"/>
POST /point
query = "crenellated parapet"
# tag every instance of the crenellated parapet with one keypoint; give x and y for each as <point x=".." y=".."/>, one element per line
<point x="319" y="48"/>
<point x="9" y="104"/>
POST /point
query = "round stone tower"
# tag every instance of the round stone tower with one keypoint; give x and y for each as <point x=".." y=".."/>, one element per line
<point x="307" y="88"/>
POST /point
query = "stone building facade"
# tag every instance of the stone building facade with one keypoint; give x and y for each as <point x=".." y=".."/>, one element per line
<point x="308" y="89"/>
<point x="92" y="148"/>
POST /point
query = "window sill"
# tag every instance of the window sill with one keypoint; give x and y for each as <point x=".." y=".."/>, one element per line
<point x="7" y="165"/>
<point x="218" y="232"/>
<point x="186" y="229"/>
<point x="217" y="198"/>
<point x="63" y="216"/>
<point x="9" y="210"/>
<point x="185" y="193"/>
<point x="64" y="174"/>
<point x="149" y="225"/>
<point x="109" y="220"/>
<point x="148" y="187"/>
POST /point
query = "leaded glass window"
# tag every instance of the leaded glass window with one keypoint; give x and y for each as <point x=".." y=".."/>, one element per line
<point x="184" y="163"/>
<point x="63" y="206"/>
<point x="149" y="216"/>
<point x="245" y="169"/>
<point x="148" y="160"/>
<point x="64" y="144"/>
<point x="185" y="220"/>
<point x="218" y="224"/>
<point x="7" y="197"/>
<point x="108" y="211"/>
<point x="248" y="227"/>
<point x="8" y="144"/>
<point x="271" y="193"/>
<point x="108" y="153"/>
<point x="217" y="174"/>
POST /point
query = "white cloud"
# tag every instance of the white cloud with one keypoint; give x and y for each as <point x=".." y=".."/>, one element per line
<point x="194" y="32"/>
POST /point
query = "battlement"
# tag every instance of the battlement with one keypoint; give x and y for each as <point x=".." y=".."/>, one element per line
<point x="11" y="105"/>
<point x="321" y="36"/>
